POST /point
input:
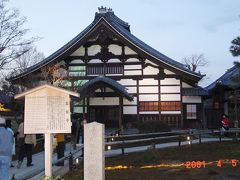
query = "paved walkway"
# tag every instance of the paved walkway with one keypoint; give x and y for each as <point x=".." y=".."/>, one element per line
<point x="38" y="159"/>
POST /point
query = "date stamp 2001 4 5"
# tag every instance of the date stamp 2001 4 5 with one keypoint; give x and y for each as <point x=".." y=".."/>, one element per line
<point x="218" y="163"/>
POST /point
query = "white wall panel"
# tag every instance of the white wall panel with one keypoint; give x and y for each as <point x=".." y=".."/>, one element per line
<point x="129" y="109"/>
<point x="170" y="81"/>
<point x="133" y="60"/>
<point x="170" y="112"/>
<point x="115" y="49"/>
<point x="79" y="52"/>
<point x="92" y="50"/>
<point x="104" y="101"/>
<point x="149" y="112"/>
<point x="132" y="67"/>
<point x="168" y="72"/>
<point x="127" y="82"/>
<point x="95" y="61"/>
<point x="77" y="61"/>
<point x="134" y="72"/>
<point x="191" y="99"/>
<point x="148" y="82"/>
<point x="127" y="102"/>
<point x="131" y="89"/>
<point x="149" y="97"/>
<point x="114" y="60"/>
<point x="185" y="85"/>
<point x="149" y="70"/>
<point x="151" y="89"/>
<point x="170" y="89"/>
<point x="170" y="97"/>
<point x="148" y="61"/>
<point x="129" y="51"/>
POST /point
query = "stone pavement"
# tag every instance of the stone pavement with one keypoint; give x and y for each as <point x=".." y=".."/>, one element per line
<point x="38" y="159"/>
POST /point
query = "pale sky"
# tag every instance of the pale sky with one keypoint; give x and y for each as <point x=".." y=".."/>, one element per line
<point x="176" y="28"/>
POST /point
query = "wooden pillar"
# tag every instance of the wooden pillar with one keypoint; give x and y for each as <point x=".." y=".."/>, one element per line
<point x="120" y="121"/>
<point x="159" y="99"/>
<point x="181" y="100"/>
<point x="138" y="116"/>
<point x="88" y="112"/>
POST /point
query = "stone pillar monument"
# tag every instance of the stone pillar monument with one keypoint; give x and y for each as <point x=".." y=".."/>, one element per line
<point x="94" y="151"/>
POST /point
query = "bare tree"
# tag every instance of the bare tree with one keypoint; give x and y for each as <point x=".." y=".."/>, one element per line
<point x="12" y="41"/>
<point x="31" y="57"/>
<point x="195" y="61"/>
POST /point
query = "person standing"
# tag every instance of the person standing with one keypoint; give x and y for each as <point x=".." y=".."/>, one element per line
<point x="60" y="148"/>
<point x="9" y="128"/>
<point x="225" y="122"/>
<point x="6" y="144"/>
<point x="30" y="142"/>
<point x="26" y="143"/>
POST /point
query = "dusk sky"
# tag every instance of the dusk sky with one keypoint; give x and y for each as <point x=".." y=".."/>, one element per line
<point x="176" y="28"/>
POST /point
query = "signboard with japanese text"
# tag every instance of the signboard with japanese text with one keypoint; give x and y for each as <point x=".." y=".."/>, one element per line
<point x="47" y="110"/>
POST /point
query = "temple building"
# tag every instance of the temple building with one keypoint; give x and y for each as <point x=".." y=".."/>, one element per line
<point x="121" y="80"/>
<point x="225" y="98"/>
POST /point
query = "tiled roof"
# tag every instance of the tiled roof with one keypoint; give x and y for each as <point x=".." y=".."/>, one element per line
<point x="198" y="91"/>
<point x="85" y="89"/>
<point x="124" y="30"/>
<point x="226" y="79"/>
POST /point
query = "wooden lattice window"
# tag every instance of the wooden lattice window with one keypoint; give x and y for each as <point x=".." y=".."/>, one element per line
<point x="159" y="106"/>
<point x="108" y="69"/>
<point x="191" y="111"/>
<point x="170" y="106"/>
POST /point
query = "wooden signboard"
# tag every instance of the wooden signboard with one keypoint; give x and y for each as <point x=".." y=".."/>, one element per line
<point x="47" y="110"/>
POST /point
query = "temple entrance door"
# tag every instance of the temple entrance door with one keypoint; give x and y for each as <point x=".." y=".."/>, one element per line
<point x="108" y="115"/>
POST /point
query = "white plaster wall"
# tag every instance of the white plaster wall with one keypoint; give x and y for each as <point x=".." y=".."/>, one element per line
<point x="191" y="99"/>
<point x="126" y="102"/>
<point x="151" y="89"/>
<point x="129" y="109"/>
<point x="79" y="52"/>
<point x="149" y="112"/>
<point x="132" y="67"/>
<point x="94" y="49"/>
<point x="185" y="85"/>
<point x="149" y="97"/>
<point x="131" y="89"/>
<point x="95" y="61"/>
<point x="127" y="82"/>
<point x="148" y="61"/>
<point x="148" y="82"/>
<point x="170" y="97"/>
<point x="134" y="72"/>
<point x="129" y="51"/>
<point x="77" y="61"/>
<point x="170" y="81"/>
<point x="150" y="71"/>
<point x="168" y="72"/>
<point x="114" y="60"/>
<point x="170" y="89"/>
<point x="132" y="60"/>
<point x="170" y="112"/>
<point x="104" y="101"/>
<point x="115" y="49"/>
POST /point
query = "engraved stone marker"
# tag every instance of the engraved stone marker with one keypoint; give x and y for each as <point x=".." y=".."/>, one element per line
<point x="94" y="157"/>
